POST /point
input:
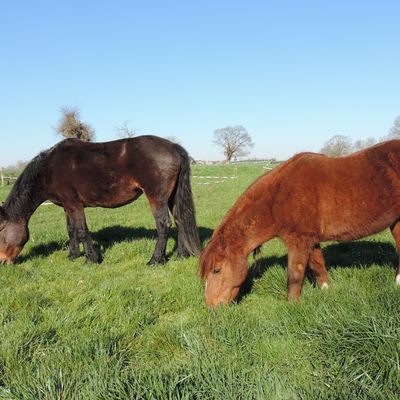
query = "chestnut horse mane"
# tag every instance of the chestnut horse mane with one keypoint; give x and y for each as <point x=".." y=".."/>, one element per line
<point x="20" y="200"/>
<point x="207" y="261"/>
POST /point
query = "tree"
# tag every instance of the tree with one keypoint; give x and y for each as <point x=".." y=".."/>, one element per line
<point x="234" y="140"/>
<point x="363" y="144"/>
<point x="337" y="146"/>
<point x="124" y="131"/>
<point x="71" y="126"/>
<point x="394" y="132"/>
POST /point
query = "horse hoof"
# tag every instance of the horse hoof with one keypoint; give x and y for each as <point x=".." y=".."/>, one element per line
<point x="154" y="261"/>
<point x="94" y="258"/>
<point x="151" y="262"/>
<point x="181" y="256"/>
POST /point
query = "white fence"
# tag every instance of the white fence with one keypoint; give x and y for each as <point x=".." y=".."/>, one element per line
<point x="212" y="180"/>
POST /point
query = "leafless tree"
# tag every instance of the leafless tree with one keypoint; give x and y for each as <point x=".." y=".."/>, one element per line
<point x="394" y="132"/>
<point x="363" y="144"/>
<point x="234" y="140"/>
<point x="337" y="146"/>
<point x="124" y="131"/>
<point x="71" y="126"/>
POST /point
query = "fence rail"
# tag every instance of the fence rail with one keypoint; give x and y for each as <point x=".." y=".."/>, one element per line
<point x="212" y="179"/>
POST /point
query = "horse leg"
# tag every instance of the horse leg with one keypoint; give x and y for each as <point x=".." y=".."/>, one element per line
<point x="78" y="222"/>
<point x="298" y="256"/>
<point x="395" y="229"/>
<point x="163" y="223"/>
<point x="73" y="238"/>
<point x="317" y="265"/>
<point x="182" y="252"/>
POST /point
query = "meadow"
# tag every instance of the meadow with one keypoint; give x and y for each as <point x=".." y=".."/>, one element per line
<point x="121" y="329"/>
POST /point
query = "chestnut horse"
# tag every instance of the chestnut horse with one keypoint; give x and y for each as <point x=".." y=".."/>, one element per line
<point x="75" y="174"/>
<point x="308" y="199"/>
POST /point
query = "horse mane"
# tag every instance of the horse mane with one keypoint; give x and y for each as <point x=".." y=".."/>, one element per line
<point x="207" y="258"/>
<point x="268" y="179"/>
<point x="20" y="201"/>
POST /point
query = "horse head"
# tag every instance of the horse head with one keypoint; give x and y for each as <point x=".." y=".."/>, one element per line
<point x="13" y="236"/>
<point x="223" y="272"/>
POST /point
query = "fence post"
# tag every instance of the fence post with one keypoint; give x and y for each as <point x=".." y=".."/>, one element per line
<point x="1" y="177"/>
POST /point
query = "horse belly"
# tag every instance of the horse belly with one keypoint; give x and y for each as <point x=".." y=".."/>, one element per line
<point x="354" y="224"/>
<point x="114" y="199"/>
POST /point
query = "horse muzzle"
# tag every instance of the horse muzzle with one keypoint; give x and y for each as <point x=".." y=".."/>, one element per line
<point x="8" y="257"/>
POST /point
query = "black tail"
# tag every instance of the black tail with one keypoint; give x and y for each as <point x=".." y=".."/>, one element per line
<point x="182" y="208"/>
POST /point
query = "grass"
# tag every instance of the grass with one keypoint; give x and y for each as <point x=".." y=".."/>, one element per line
<point x="72" y="330"/>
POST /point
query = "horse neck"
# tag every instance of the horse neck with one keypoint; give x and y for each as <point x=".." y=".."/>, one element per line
<point x="21" y="205"/>
<point x="25" y="196"/>
<point x="248" y="224"/>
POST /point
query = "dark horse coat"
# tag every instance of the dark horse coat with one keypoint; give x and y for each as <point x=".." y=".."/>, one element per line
<point x="76" y="174"/>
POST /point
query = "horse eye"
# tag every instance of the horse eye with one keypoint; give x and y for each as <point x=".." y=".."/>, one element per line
<point x="216" y="270"/>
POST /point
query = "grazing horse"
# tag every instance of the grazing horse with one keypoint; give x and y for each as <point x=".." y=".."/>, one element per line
<point x="75" y="174"/>
<point x="308" y="199"/>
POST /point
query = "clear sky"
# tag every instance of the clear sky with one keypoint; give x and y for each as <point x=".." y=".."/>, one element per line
<point x="294" y="73"/>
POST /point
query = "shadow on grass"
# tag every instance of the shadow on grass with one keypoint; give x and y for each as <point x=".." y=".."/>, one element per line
<point x="360" y="254"/>
<point x="106" y="238"/>
<point x="41" y="250"/>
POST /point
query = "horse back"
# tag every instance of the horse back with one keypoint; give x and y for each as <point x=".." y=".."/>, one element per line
<point x="111" y="174"/>
<point x="341" y="198"/>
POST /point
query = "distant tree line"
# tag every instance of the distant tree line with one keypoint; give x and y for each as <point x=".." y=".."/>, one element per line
<point x="234" y="141"/>
<point x="340" y="145"/>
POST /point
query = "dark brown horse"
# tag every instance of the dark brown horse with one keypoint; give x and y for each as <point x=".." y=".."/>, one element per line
<point x="307" y="200"/>
<point x="76" y="174"/>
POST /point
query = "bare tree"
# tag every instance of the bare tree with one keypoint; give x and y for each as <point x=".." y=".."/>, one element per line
<point x="363" y="144"/>
<point x="394" y="132"/>
<point x="337" y="146"/>
<point x="71" y="126"/>
<point x="234" y="140"/>
<point x="124" y="131"/>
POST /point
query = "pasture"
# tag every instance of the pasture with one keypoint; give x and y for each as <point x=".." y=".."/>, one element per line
<point x="121" y="329"/>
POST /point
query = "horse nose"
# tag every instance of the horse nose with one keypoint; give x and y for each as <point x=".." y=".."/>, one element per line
<point x="6" y="261"/>
<point x="210" y="303"/>
<point x="6" y="258"/>
<point x="215" y="303"/>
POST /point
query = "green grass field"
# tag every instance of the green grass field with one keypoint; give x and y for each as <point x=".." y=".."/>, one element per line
<point x="118" y="330"/>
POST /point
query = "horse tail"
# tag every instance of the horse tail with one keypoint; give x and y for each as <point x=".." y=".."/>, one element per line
<point x="182" y="207"/>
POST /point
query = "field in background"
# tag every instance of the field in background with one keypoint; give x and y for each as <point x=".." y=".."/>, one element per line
<point x="72" y="330"/>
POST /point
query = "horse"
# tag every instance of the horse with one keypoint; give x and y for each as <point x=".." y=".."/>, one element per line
<point x="75" y="174"/>
<point x="309" y="199"/>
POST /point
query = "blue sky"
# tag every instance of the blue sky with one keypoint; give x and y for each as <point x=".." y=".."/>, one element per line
<point x="294" y="73"/>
